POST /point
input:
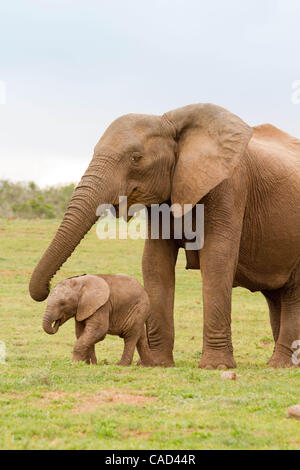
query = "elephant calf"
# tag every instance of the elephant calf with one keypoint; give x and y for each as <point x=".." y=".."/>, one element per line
<point x="113" y="304"/>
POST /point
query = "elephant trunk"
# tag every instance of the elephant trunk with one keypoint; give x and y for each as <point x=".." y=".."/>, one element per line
<point x="79" y="218"/>
<point x="47" y="323"/>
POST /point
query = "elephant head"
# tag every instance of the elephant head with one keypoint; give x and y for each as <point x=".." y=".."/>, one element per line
<point x="78" y="296"/>
<point x="179" y="156"/>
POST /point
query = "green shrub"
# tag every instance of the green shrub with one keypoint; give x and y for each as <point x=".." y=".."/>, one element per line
<point x="28" y="201"/>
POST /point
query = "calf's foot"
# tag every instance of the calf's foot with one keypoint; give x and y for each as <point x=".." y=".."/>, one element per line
<point x="79" y="356"/>
<point x="76" y="358"/>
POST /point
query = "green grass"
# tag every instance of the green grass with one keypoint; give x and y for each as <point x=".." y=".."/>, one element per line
<point x="47" y="402"/>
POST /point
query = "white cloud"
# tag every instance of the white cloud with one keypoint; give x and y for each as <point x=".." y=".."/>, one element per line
<point x="45" y="169"/>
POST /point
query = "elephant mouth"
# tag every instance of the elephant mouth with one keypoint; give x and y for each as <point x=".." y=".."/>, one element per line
<point x="56" y="325"/>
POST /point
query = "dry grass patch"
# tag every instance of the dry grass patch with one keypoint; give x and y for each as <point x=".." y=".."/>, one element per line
<point x="137" y="435"/>
<point x="88" y="403"/>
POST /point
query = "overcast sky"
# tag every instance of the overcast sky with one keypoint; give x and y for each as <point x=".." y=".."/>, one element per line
<point x="71" y="67"/>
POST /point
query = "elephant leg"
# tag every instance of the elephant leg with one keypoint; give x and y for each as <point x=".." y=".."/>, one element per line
<point x="217" y="345"/>
<point x="218" y="262"/>
<point x="92" y="355"/>
<point x="144" y="351"/>
<point x="130" y="342"/>
<point x="274" y="302"/>
<point x="159" y="260"/>
<point x="79" y="329"/>
<point x="85" y="344"/>
<point x="289" y="331"/>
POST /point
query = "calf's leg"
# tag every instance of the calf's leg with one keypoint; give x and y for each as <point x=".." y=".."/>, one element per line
<point x="144" y="350"/>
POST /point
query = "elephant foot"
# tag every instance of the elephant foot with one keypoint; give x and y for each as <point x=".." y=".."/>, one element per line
<point x="148" y="363"/>
<point x="283" y="357"/>
<point x="123" y="363"/>
<point x="279" y="360"/>
<point x="215" y="359"/>
<point x="79" y="358"/>
<point x="87" y="361"/>
<point x="158" y="359"/>
<point x="161" y="359"/>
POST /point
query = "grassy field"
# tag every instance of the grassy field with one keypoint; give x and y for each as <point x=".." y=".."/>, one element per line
<point x="47" y="402"/>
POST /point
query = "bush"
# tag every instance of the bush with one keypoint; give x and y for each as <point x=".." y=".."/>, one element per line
<point x="28" y="201"/>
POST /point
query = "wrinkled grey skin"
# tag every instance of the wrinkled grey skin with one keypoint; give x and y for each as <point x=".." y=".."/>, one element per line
<point x="102" y="304"/>
<point x="249" y="182"/>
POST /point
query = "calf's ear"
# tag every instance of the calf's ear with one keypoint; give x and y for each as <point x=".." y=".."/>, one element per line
<point x="93" y="294"/>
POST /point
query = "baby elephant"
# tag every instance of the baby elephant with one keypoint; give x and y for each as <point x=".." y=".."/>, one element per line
<point x="114" y="304"/>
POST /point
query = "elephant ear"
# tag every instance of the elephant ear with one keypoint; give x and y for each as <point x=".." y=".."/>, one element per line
<point x="211" y="142"/>
<point x="93" y="294"/>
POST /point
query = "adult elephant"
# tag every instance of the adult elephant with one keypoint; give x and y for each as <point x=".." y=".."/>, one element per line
<point x="249" y="181"/>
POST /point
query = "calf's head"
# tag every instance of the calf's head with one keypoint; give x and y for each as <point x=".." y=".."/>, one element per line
<point x="78" y="297"/>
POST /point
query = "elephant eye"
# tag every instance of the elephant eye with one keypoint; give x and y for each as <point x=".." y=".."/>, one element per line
<point x="135" y="158"/>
